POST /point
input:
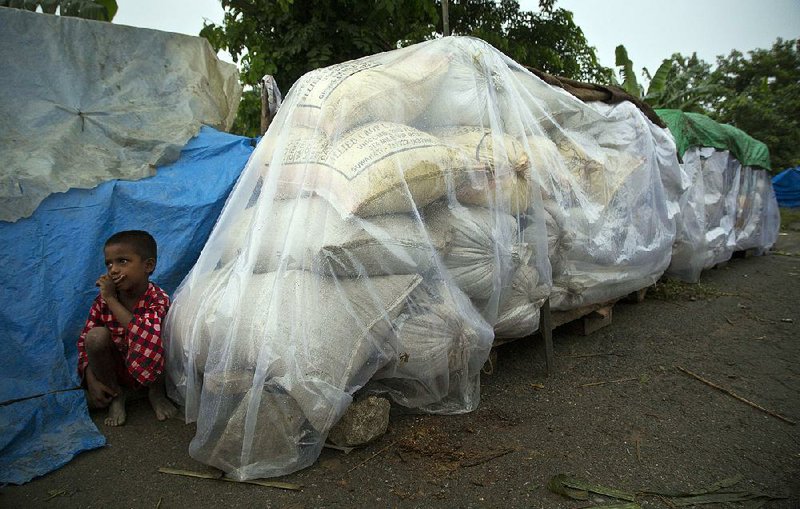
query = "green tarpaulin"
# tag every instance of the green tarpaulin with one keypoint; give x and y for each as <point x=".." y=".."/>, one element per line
<point x="697" y="130"/>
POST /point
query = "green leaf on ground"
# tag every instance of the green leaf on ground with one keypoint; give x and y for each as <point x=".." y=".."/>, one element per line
<point x="579" y="489"/>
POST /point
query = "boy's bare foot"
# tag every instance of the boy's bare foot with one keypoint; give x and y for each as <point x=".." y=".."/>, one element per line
<point x="163" y="408"/>
<point x="116" y="410"/>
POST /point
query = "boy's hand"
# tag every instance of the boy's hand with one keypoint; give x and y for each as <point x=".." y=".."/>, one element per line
<point x="108" y="286"/>
<point x="98" y="393"/>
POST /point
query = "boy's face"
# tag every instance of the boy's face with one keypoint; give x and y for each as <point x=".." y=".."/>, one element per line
<point x="126" y="267"/>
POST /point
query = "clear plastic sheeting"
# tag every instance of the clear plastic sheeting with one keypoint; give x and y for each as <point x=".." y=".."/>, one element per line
<point x="720" y="190"/>
<point x="613" y="225"/>
<point x="689" y="252"/>
<point x="708" y="212"/>
<point x="83" y="102"/>
<point x="727" y="208"/>
<point x="403" y="211"/>
<point x="757" y="216"/>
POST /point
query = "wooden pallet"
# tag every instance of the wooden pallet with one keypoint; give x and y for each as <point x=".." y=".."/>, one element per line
<point x="586" y="320"/>
<point x="746" y="253"/>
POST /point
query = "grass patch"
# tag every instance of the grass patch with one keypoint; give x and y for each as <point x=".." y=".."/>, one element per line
<point x="673" y="289"/>
<point x="789" y="216"/>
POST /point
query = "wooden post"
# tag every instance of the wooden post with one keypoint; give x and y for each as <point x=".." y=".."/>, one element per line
<point x="546" y="329"/>
<point x="269" y="102"/>
<point x="264" y="107"/>
<point x="445" y="19"/>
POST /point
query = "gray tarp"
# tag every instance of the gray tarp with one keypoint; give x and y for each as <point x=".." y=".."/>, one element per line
<point x="82" y="102"/>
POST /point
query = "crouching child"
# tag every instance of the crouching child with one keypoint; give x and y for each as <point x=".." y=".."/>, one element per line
<point x="121" y="348"/>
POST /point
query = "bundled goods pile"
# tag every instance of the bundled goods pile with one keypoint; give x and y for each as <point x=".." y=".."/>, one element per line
<point x="757" y="214"/>
<point x="729" y="204"/>
<point x="721" y="189"/>
<point x="689" y="253"/>
<point x="614" y="209"/>
<point x="403" y="211"/>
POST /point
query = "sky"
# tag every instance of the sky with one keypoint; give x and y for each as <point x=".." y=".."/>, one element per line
<point x="651" y="30"/>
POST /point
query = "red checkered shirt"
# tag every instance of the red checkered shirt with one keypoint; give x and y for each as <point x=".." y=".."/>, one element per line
<point x="139" y="342"/>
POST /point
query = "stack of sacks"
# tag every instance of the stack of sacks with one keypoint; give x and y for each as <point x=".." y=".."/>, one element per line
<point x="771" y="216"/>
<point x="748" y="210"/>
<point x="610" y="224"/>
<point x="250" y="370"/>
<point x="367" y="244"/>
<point x="756" y="226"/>
<point x="601" y="172"/>
<point x="722" y="209"/>
<point x="720" y="171"/>
<point x="691" y="244"/>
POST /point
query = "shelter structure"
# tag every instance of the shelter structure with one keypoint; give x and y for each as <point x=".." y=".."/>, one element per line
<point x="105" y="128"/>
<point x="787" y="187"/>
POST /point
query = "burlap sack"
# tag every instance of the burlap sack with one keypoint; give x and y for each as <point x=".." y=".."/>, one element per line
<point x="504" y="184"/>
<point x="308" y="234"/>
<point x="392" y="89"/>
<point x="518" y="310"/>
<point x="377" y="168"/>
<point x="480" y="258"/>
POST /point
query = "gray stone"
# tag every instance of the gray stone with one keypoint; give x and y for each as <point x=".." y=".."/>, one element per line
<point x="364" y="421"/>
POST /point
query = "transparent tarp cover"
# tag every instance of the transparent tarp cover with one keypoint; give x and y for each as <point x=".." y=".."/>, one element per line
<point x="402" y="211"/>
<point x="757" y="223"/>
<point x="618" y="219"/>
<point x="690" y="250"/>
<point x="726" y="208"/>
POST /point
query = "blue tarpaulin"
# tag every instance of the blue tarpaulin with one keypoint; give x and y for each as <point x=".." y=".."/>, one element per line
<point x="787" y="187"/>
<point x="49" y="263"/>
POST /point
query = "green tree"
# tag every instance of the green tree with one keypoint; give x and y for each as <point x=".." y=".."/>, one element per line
<point x="101" y="10"/>
<point x="760" y="94"/>
<point x="548" y="40"/>
<point x="287" y="38"/>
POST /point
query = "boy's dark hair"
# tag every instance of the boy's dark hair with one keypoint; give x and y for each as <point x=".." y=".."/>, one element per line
<point x="142" y="242"/>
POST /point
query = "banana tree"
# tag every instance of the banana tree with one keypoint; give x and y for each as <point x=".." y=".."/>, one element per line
<point x="679" y="82"/>
<point x="629" y="82"/>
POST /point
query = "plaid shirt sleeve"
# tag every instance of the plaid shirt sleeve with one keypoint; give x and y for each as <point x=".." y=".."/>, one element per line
<point x="145" y="356"/>
<point x="95" y="319"/>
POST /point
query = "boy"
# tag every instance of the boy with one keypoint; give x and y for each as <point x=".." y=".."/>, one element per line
<point x="120" y="346"/>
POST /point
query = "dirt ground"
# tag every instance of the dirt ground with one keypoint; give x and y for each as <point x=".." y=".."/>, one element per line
<point x="617" y="411"/>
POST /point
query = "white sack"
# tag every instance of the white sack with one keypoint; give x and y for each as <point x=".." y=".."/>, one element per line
<point x="518" y="314"/>
<point x="439" y="352"/>
<point x="246" y="339"/>
<point x="307" y="233"/>
<point x="480" y="258"/>
<point x="376" y="168"/>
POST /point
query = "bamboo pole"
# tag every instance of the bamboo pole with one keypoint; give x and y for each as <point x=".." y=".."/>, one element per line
<point x="734" y="395"/>
<point x="445" y="19"/>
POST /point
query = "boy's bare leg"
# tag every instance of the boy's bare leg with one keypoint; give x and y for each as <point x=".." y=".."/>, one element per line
<point x="116" y="410"/>
<point x="157" y="395"/>
<point x="99" y="347"/>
